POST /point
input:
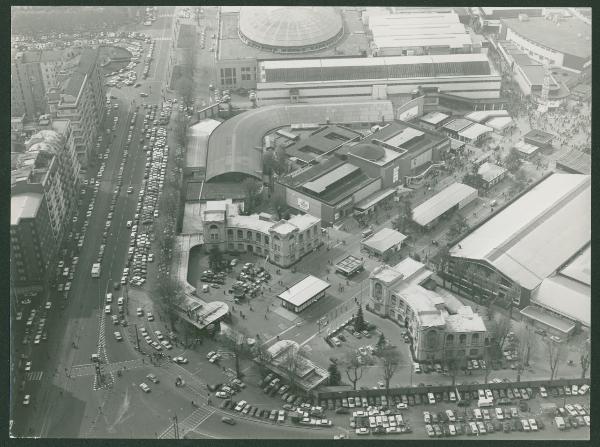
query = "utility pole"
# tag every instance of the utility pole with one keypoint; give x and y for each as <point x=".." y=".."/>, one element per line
<point x="175" y="427"/>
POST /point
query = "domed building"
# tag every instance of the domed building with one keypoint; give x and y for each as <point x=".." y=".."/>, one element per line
<point x="290" y="29"/>
<point x="249" y="34"/>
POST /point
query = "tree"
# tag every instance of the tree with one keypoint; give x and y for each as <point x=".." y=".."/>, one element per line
<point x="502" y="326"/>
<point x="584" y="357"/>
<point x="252" y="191"/>
<point x="236" y="342"/>
<point x="390" y="360"/>
<point x="381" y="343"/>
<point x="215" y="258"/>
<point x="442" y="261"/>
<point x="354" y="369"/>
<point x="458" y="226"/>
<point x="473" y="179"/>
<point x="262" y="356"/>
<point x="554" y="353"/>
<point x="185" y="87"/>
<point x="512" y="161"/>
<point x="292" y="361"/>
<point x="455" y="364"/>
<point x="335" y="377"/>
<point x="279" y="205"/>
<point x="404" y="217"/>
<point x="169" y="295"/>
<point x="359" y="320"/>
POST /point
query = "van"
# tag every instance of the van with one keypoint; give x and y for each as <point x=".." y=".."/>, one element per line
<point x="120" y="301"/>
<point x="205" y="288"/>
<point x="560" y="423"/>
<point x="485" y="402"/>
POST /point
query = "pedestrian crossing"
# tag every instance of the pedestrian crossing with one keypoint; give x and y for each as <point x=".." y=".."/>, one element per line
<point x="34" y="375"/>
<point x="163" y="38"/>
<point x="82" y="370"/>
<point x="189" y="423"/>
<point x="90" y="370"/>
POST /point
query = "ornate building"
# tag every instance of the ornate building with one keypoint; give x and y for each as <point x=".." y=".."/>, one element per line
<point x="440" y="327"/>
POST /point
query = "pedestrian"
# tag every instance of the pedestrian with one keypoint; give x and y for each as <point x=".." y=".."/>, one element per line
<point x="266" y="317"/>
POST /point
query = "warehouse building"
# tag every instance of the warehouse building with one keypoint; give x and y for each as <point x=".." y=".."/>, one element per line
<point x="382" y="243"/>
<point x="575" y="162"/>
<point x="519" y="244"/>
<point x="350" y="79"/>
<point x="250" y="34"/>
<point x="455" y="196"/>
<point x="304" y="293"/>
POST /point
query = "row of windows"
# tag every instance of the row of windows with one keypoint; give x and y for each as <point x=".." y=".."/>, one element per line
<point x="240" y="235"/>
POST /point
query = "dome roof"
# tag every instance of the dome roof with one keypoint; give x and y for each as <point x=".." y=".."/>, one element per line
<point x="368" y="151"/>
<point x="289" y="26"/>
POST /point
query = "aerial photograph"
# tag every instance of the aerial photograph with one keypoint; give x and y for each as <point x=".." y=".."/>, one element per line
<point x="300" y="222"/>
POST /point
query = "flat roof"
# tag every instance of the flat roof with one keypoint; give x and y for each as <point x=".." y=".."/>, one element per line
<point x="303" y="221"/>
<point x="222" y="191"/>
<point x="576" y="161"/>
<point x="304" y="290"/>
<point x="474" y="131"/>
<point x="520" y="241"/>
<point x="481" y="116"/>
<point x="252" y="222"/>
<point x="457" y="125"/>
<point x="538" y="314"/>
<point x="539" y="136"/>
<point x="236" y="144"/>
<point x="322" y="183"/>
<point x="490" y="171"/>
<point x="374" y="198"/>
<point x="376" y="154"/>
<point x="580" y="268"/>
<point x="349" y="264"/>
<point x="525" y="148"/>
<point x="434" y="117"/>
<point x="499" y="123"/>
<point x="441" y="202"/>
<point x="565" y="297"/>
<point x="571" y="35"/>
<point x="325" y="139"/>
<point x="384" y="239"/>
<point x="465" y="321"/>
<point x="423" y="40"/>
<point x="24" y="206"/>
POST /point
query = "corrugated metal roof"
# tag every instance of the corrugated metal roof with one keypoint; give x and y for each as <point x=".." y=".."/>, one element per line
<point x="474" y="131"/>
<point x="566" y="297"/>
<point x="319" y="185"/>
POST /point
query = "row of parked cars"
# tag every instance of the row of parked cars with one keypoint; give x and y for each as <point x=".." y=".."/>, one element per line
<point x="245" y="408"/>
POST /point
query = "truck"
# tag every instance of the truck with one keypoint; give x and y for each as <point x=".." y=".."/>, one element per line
<point x="96" y="270"/>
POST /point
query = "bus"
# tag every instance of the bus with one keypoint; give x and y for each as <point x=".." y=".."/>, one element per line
<point x="96" y="270"/>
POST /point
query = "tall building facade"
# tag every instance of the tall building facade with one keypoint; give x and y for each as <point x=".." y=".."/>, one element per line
<point x="44" y="187"/>
<point x="81" y="97"/>
<point x="33" y="73"/>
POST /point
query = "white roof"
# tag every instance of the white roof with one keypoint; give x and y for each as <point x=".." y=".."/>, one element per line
<point x="384" y="239"/>
<point x="304" y="290"/>
<point x="24" y="206"/>
<point x="474" y="131"/>
<point x="580" y="268"/>
<point x="465" y="321"/>
<point x="566" y="297"/>
<point x="522" y="241"/>
<point x="434" y="117"/>
<point x="525" y="148"/>
<point x="198" y="141"/>
<point x="499" y="122"/>
<point x="481" y="116"/>
<point x="372" y="61"/>
<point x="405" y="29"/>
<point x="441" y="202"/>
<point x="420" y="40"/>
<point x="249" y="223"/>
<point x="490" y="171"/>
<point x="408" y="267"/>
<point x="303" y="221"/>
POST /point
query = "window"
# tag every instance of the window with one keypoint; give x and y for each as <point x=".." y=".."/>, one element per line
<point x="449" y="340"/>
<point x="257" y="237"/>
<point x="393" y="300"/>
<point x="249" y="235"/>
<point x="214" y="233"/>
<point x="230" y="233"/>
<point x="240" y="234"/>
<point x="241" y="247"/>
<point x="462" y="339"/>
<point x="378" y="290"/>
<point x="266" y="239"/>
<point x="301" y="237"/>
<point x="474" y="352"/>
<point x="475" y="339"/>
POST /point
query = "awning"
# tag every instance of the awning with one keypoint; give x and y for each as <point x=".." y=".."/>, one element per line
<point x="374" y="199"/>
<point x="535" y="313"/>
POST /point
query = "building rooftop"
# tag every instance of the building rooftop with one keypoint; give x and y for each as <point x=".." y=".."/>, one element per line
<point x="481" y="116"/>
<point x="525" y="148"/>
<point x="384" y="239"/>
<point x="441" y="202"/>
<point x="304" y="290"/>
<point x="520" y="241"/>
<point x="499" y="122"/>
<point x="303" y="221"/>
<point x="434" y="117"/>
<point x="393" y="67"/>
<point x="321" y="141"/>
<point x="570" y="35"/>
<point x="252" y="222"/>
<point x="580" y="268"/>
<point x="236" y="145"/>
<point x="320" y="184"/>
<point x="474" y="131"/>
<point x="374" y="153"/>
<point x="374" y="198"/>
<point x="539" y="314"/>
<point x="24" y="206"/>
<point x="539" y="137"/>
<point x="465" y="321"/>
<point x="198" y="142"/>
<point x="565" y="297"/>
<point x="408" y="267"/>
<point x="221" y="191"/>
<point x="353" y="42"/>
<point x="457" y="125"/>
<point x="577" y="161"/>
<point x="283" y="227"/>
<point x="349" y="264"/>
<point x="490" y="171"/>
<point x="308" y="374"/>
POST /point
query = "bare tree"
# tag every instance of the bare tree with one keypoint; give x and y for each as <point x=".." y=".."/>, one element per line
<point x="252" y="191"/>
<point x="455" y="364"/>
<point x="262" y="356"/>
<point x="554" y="352"/>
<point x="390" y="360"/>
<point x="354" y="369"/>
<point x="169" y="295"/>
<point x="584" y="357"/>
<point x="293" y="360"/>
<point x="235" y="341"/>
<point x="502" y="326"/>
